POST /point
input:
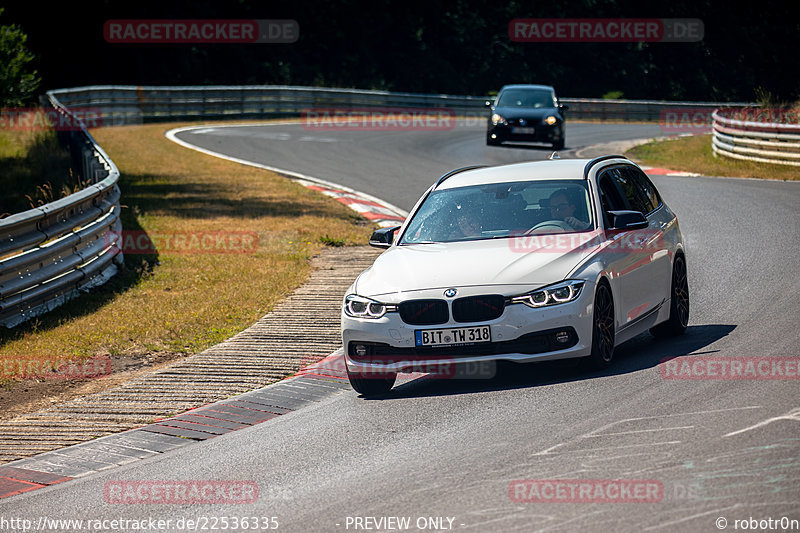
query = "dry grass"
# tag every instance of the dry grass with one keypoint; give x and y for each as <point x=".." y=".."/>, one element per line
<point x="693" y="154"/>
<point x="173" y="304"/>
<point x="34" y="170"/>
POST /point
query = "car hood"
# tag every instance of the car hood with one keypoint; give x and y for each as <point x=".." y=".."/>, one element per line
<point x="516" y="263"/>
<point x="527" y="113"/>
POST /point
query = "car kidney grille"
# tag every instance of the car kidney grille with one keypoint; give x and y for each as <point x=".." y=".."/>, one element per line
<point x="424" y="312"/>
<point x="478" y="308"/>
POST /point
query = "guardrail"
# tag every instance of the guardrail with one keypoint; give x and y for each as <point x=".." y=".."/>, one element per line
<point x="135" y="105"/>
<point x="764" y="142"/>
<point x="54" y="252"/>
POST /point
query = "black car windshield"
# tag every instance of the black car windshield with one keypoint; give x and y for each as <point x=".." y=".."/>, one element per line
<point x="526" y="98"/>
<point x="501" y="210"/>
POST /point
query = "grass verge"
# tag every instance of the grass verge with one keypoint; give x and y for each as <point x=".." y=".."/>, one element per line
<point x="168" y="304"/>
<point x="694" y="154"/>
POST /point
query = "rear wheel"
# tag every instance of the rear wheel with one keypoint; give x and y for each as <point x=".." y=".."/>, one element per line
<point x="678" y="305"/>
<point x="371" y="385"/>
<point x="602" y="328"/>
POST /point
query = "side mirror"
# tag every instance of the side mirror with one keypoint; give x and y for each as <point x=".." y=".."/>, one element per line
<point x="383" y="237"/>
<point x="626" y="220"/>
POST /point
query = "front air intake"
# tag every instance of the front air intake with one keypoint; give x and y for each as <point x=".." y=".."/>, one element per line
<point x="424" y="312"/>
<point x="478" y="308"/>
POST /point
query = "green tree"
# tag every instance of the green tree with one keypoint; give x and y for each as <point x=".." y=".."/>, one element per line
<point x="18" y="80"/>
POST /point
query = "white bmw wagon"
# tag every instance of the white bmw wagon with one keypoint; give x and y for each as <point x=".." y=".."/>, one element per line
<point x="525" y="262"/>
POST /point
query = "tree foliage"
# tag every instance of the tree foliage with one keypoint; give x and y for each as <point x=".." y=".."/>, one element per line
<point x="18" y="80"/>
<point x="433" y="46"/>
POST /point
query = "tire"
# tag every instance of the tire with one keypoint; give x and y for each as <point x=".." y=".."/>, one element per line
<point x="602" y="329"/>
<point x="558" y="145"/>
<point x="371" y="386"/>
<point x="678" y="305"/>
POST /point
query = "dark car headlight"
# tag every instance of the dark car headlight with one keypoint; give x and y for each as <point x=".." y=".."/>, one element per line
<point x="551" y="120"/>
<point x="560" y="293"/>
<point x="497" y="119"/>
<point x="360" y="307"/>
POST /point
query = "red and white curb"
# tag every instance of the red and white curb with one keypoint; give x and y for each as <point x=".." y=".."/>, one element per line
<point x="655" y="171"/>
<point x="375" y="209"/>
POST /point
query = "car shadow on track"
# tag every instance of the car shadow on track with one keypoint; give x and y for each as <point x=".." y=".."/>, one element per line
<point x="639" y="353"/>
<point x="524" y="146"/>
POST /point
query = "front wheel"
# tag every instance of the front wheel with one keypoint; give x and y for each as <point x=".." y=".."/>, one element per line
<point x="602" y="328"/>
<point x="558" y="145"/>
<point x="678" y="305"/>
<point x="492" y="141"/>
<point x="371" y="384"/>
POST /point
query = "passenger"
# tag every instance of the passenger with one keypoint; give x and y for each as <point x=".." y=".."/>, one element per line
<point x="563" y="208"/>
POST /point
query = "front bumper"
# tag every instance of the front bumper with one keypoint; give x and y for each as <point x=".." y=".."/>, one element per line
<point x="520" y="334"/>
<point x="542" y="133"/>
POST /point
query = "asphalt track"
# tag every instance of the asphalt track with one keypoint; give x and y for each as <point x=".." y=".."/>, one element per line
<point x="718" y="448"/>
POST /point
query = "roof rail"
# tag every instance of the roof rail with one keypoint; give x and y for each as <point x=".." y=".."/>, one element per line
<point x="456" y="171"/>
<point x="596" y="160"/>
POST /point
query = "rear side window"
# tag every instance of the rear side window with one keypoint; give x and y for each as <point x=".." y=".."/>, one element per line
<point x="648" y="189"/>
<point x="628" y="185"/>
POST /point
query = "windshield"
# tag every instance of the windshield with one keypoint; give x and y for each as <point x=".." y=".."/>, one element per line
<point x="501" y="210"/>
<point x="526" y="98"/>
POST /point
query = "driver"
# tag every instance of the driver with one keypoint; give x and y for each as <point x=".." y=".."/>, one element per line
<point x="563" y="208"/>
<point x="466" y="224"/>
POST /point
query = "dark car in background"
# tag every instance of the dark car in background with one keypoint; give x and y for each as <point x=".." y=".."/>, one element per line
<point x="528" y="113"/>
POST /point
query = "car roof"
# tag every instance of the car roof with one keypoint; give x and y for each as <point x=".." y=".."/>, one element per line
<point x="526" y="86"/>
<point x="550" y="169"/>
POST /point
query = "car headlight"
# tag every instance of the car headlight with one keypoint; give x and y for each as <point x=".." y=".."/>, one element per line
<point x="560" y="293"/>
<point x="497" y="119"/>
<point x="359" y="307"/>
<point x="550" y="120"/>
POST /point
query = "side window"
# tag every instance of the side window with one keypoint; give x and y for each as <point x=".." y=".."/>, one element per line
<point x="647" y="187"/>
<point x="637" y="201"/>
<point x="610" y="198"/>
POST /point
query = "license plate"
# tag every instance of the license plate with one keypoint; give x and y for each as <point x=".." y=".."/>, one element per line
<point x="525" y="131"/>
<point x="452" y="336"/>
